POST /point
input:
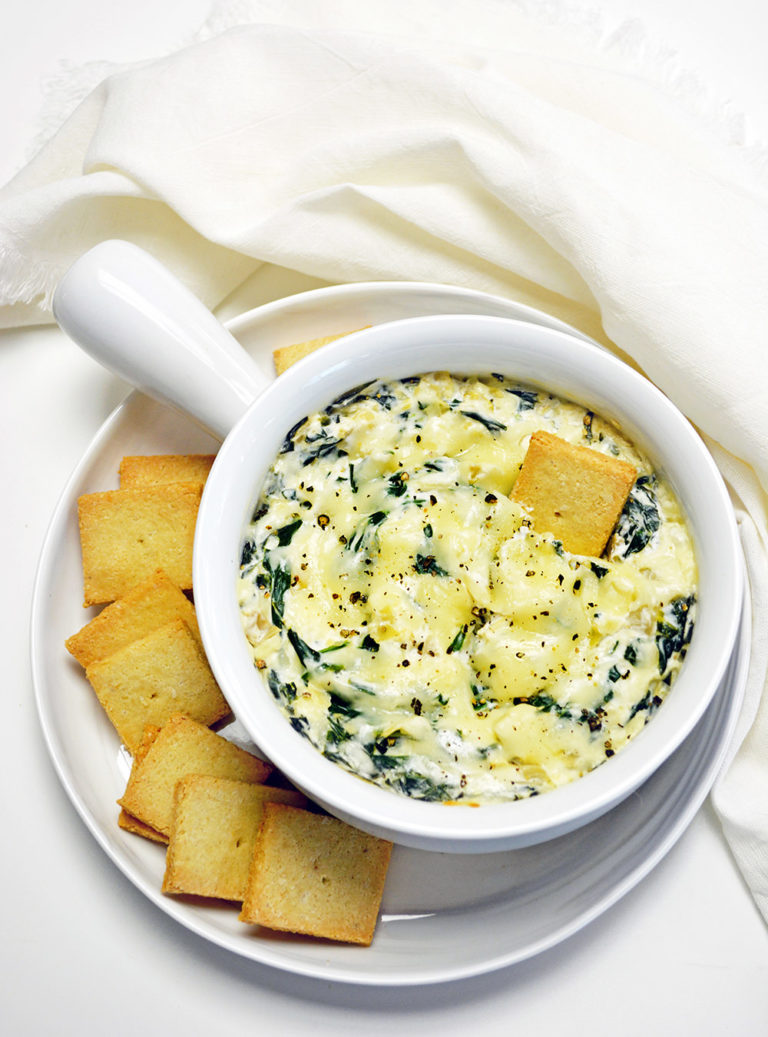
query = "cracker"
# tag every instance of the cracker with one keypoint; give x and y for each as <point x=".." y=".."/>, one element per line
<point x="574" y="492"/>
<point x="126" y="535"/>
<point x="151" y="679"/>
<point x="181" y="748"/>
<point x="285" y="356"/>
<point x="159" y="469"/>
<point x="213" y="833"/>
<point x="127" y="821"/>
<point x="316" y="875"/>
<point x="143" y="609"/>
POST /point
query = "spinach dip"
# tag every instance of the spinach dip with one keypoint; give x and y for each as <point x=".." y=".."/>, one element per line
<point x="420" y="632"/>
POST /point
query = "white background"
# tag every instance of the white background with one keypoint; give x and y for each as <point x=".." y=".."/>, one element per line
<point x="82" y="952"/>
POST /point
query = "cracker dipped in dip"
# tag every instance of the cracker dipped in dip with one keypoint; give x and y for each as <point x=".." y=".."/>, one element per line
<point x="464" y="589"/>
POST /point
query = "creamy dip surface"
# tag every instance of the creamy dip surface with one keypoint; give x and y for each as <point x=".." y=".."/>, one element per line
<point x="418" y="630"/>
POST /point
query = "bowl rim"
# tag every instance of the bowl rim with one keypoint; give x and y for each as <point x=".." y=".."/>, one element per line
<point x="573" y="368"/>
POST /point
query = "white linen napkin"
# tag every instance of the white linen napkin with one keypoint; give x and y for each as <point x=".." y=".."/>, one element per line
<point x="477" y="144"/>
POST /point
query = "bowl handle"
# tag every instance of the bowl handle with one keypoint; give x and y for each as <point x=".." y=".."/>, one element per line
<point x="127" y="311"/>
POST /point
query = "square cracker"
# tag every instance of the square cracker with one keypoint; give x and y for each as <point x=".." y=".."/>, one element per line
<point x="183" y="747"/>
<point x="126" y="535"/>
<point x="314" y="874"/>
<point x="159" y="469"/>
<point x="151" y="679"/>
<point x="574" y="492"/>
<point x="213" y="833"/>
<point x="285" y="356"/>
<point x="143" y="609"/>
<point x="127" y="821"/>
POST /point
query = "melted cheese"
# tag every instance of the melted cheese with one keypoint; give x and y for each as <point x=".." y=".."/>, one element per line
<point x="415" y="626"/>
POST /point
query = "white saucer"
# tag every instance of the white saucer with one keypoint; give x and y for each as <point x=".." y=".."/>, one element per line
<point x="444" y="916"/>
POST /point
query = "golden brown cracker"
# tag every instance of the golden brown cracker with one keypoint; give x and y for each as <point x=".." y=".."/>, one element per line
<point x="213" y="832"/>
<point x="150" y="605"/>
<point x="159" y="469"/>
<point x="184" y="747"/>
<point x="126" y="535"/>
<point x="574" y="492"/>
<point x="316" y="875"/>
<point x="149" y="680"/>
<point x="127" y="821"/>
<point x="285" y="356"/>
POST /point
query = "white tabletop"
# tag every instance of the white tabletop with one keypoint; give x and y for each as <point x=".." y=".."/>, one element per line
<point x="82" y="950"/>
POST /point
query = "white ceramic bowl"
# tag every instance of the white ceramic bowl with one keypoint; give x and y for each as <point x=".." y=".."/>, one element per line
<point x="545" y="358"/>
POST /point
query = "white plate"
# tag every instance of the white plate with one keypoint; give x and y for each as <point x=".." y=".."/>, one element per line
<point x="444" y="917"/>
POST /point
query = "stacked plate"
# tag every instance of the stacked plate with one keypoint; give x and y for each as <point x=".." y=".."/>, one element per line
<point x="444" y="916"/>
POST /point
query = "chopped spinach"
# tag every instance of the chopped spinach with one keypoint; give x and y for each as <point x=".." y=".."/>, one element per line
<point x="494" y="427"/>
<point x="397" y="487"/>
<point x="340" y="707"/>
<point x="649" y="702"/>
<point x="526" y="398"/>
<point x="338" y="712"/>
<point x="383" y="398"/>
<point x="545" y="703"/>
<point x="368" y="523"/>
<point x="426" y="564"/>
<point x="325" y="447"/>
<point x="288" y="444"/>
<point x="383" y="762"/>
<point x="419" y="786"/>
<point x="334" y="648"/>
<point x="279" y="580"/>
<point x="674" y="630"/>
<point x="286" y="533"/>
<point x="336" y="732"/>
<point x="381" y="395"/>
<point x="285" y="693"/>
<point x="302" y="649"/>
<point x="458" y="640"/>
<point x="640" y="519"/>
<point x="481" y="703"/>
<point x="300" y="724"/>
<point x="393" y="771"/>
